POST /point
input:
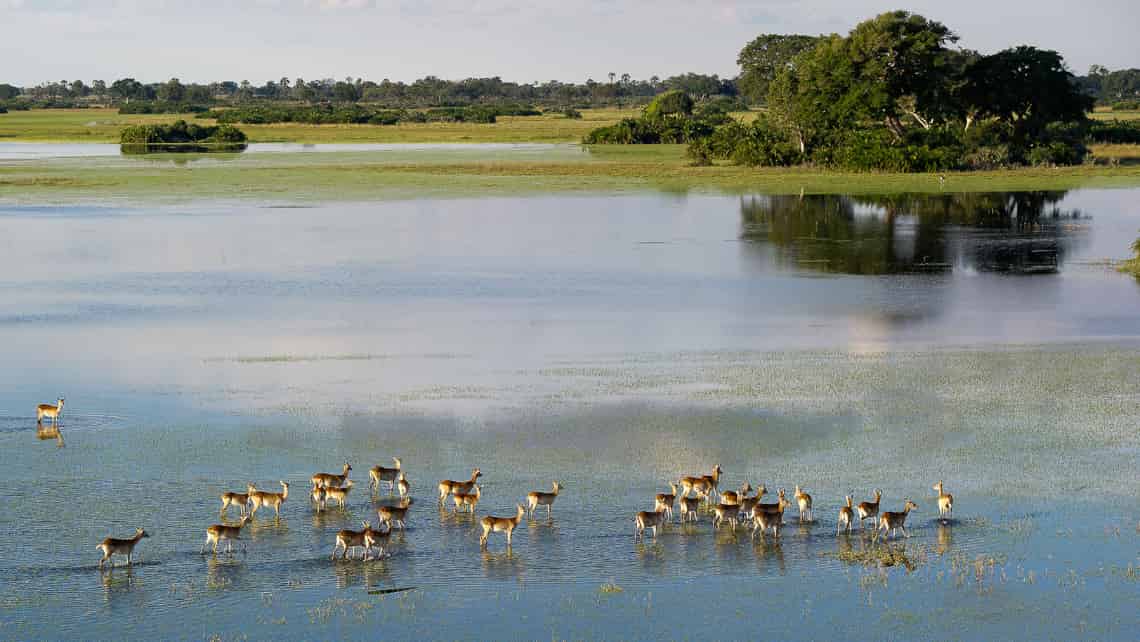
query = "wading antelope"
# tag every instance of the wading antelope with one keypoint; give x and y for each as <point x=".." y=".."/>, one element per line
<point x="112" y="546"/>
<point x="222" y="533"/>
<point x="466" y="502"/>
<point x="733" y="497"/>
<point x="705" y="484"/>
<point x="727" y="512"/>
<point x="378" y="474"/>
<point x="449" y="486"/>
<point x="379" y="539"/>
<point x="403" y="486"/>
<point x="501" y="525"/>
<point x="803" y="500"/>
<point x="259" y="498"/>
<point x="537" y="498"/>
<point x="869" y="509"/>
<point x="49" y="411"/>
<point x="392" y="515"/>
<point x="762" y="520"/>
<point x="666" y="501"/>
<point x="689" y="507"/>
<point x="318" y="497"/>
<point x="945" y="501"/>
<point x="329" y="480"/>
<point x="650" y="519"/>
<point x="846" y="516"/>
<point x="778" y="507"/>
<point x="237" y="499"/>
<point x="347" y="539"/>
<point x="748" y="504"/>
<point x="340" y="495"/>
<point x="890" y="522"/>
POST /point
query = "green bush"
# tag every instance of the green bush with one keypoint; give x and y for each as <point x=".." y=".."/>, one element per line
<point x="572" y="113"/>
<point x="1115" y="131"/>
<point x="181" y="136"/>
<point x="758" y="144"/>
<point x="670" y="103"/>
<point x="1126" y="105"/>
<point x="161" y="107"/>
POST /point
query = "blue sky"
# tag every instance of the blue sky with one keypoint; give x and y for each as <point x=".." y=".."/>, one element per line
<point x="570" y="40"/>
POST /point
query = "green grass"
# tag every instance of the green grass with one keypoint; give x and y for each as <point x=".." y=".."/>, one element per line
<point x="1105" y="113"/>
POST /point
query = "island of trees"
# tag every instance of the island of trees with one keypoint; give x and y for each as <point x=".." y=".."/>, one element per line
<point x="181" y="136"/>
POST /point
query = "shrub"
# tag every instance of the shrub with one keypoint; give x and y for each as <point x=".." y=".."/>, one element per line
<point x="1126" y="105"/>
<point x="181" y="136"/>
<point x="670" y="103"/>
<point x="1115" y="131"/>
<point x="161" y="107"/>
<point x="572" y="113"/>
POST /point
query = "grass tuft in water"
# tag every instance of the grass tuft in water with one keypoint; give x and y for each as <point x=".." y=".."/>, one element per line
<point x="610" y="587"/>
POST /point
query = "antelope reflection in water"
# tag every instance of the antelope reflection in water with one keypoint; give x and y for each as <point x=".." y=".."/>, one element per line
<point x="50" y="431"/>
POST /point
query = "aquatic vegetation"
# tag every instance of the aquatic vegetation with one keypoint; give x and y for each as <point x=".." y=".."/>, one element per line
<point x="610" y="587"/>
<point x="883" y="555"/>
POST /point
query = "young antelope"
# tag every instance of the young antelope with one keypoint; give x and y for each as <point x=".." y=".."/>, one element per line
<point x="666" y="501"/>
<point x="222" y="533"/>
<point x="449" y="486"/>
<point x="392" y="515"/>
<point x="328" y="480"/>
<point x="945" y="501"/>
<point x="689" y="507"/>
<point x="466" y="502"/>
<point x="318" y="497"/>
<point x="726" y="512"/>
<point x="241" y="500"/>
<point x="846" y="516"/>
<point x="49" y="411"/>
<point x="803" y="500"/>
<point x="869" y="509"/>
<point x="501" y="525"/>
<point x="378" y="474"/>
<point x="537" y="498"/>
<point x="890" y="522"/>
<point x="650" y="519"/>
<point x="403" y="486"/>
<point x="259" y="498"/>
<point x="112" y="546"/>
<point x="348" y="539"/>
<point x="339" y="495"/>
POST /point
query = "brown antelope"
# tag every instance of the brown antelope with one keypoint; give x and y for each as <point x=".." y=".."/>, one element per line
<point x="348" y="539"/>
<point x="259" y="498"/>
<point x="378" y="474"/>
<point x="945" y="501"/>
<point x="689" y="507"/>
<point x="537" y="498"/>
<point x="649" y="519"/>
<point x="403" y="486"/>
<point x="112" y="546"/>
<point x="803" y="500"/>
<point x="772" y="508"/>
<point x="890" y="522"/>
<point x="329" y="480"/>
<point x="724" y="512"/>
<point x="49" y="411"/>
<point x="449" y="486"/>
<point x="666" y="501"/>
<point x="241" y="500"/>
<point x="846" y="516"/>
<point x="340" y="495"/>
<point x="762" y="520"/>
<point x="733" y="497"/>
<point x="501" y="525"/>
<point x="747" y="504"/>
<point x="318" y="497"/>
<point x="392" y="515"/>
<point x="705" y="484"/>
<point x="466" y="502"/>
<point x="869" y="509"/>
<point x="379" y="539"/>
<point x="222" y="533"/>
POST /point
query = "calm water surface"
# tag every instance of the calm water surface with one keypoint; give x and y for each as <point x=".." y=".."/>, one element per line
<point x="611" y="343"/>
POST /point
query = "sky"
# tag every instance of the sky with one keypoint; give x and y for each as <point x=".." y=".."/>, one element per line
<point x="567" y="40"/>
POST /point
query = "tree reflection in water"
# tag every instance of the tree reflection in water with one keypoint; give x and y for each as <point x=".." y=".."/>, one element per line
<point x="1014" y="232"/>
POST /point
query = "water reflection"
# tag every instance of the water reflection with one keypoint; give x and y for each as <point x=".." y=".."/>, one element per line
<point x="1015" y="232"/>
<point x="50" y="431"/>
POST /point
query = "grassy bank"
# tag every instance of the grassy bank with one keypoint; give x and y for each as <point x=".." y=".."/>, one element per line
<point x="405" y="174"/>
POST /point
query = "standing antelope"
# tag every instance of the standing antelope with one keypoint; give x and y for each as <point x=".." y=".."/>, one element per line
<point x="781" y="499"/>
<point x="378" y="474"/>
<point x="449" y="486"/>
<point x="403" y="486"/>
<point x="466" y="502"/>
<point x="537" y="498"/>
<point x="348" y="539"/>
<point x="650" y="519"/>
<point x="945" y="501"/>
<point x="237" y="499"/>
<point x="706" y="483"/>
<point x="666" y="501"/>
<point x="733" y="497"/>
<point x="327" y="480"/>
<point x="803" y="500"/>
<point x="890" y="522"/>
<point x="748" y="504"/>
<point x="846" y="516"/>
<point x="762" y="520"/>
<point x="501" y="525"/>
<point x="222" y="533"/>
<point x="340" y="495"/>
<point x="392" y="515"/>
<point x="112" y="546"/>
<point x="869" y="509"/>
<point x="689" y="507"/>
<point x="259" y="498"/>
<point x="318" y="497"/>
<point x="49" y="411"/>
<point x="725" y="512"/>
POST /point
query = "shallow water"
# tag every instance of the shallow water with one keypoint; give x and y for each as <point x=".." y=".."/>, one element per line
<point x="611" y="343"/>
<point x="49" y="151"/>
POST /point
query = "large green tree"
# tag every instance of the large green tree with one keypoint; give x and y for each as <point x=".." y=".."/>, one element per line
<point x="764" y="58"/>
